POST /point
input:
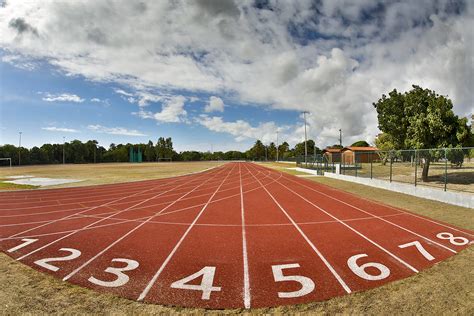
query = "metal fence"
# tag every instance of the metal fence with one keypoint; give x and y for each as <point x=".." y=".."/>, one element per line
<point x="444" y="168"/>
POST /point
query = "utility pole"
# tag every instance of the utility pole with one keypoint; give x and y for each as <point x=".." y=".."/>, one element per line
<point x="305" y="139"/>
<point x="19" y="150"/>
<point x="266" y="157"/>
<point x="277" y="145"/>
<point x="64" y="144"/>
<point x="340" y="137"/>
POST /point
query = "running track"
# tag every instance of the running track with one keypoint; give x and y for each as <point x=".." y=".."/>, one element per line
<point x="239" y="235"/>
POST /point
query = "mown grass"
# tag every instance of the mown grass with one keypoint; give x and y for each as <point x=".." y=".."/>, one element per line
<point x="446" y="288"/>
<point x="105" y="173"/>
<point x="12" y="186"/>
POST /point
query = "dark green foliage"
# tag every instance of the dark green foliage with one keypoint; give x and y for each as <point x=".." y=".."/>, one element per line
<point x="360" y="143"/>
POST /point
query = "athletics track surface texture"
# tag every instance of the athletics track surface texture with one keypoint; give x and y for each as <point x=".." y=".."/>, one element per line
<point x="240" y="235"/>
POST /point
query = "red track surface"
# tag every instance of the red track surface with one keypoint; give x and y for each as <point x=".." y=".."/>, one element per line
<point x="258" y="237"/>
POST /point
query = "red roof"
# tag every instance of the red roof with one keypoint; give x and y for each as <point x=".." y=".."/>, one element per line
<point x="332" y="150"/>
<point x="360" y="148"/>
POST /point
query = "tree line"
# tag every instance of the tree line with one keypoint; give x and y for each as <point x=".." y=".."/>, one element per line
<point x="77" y="152"/>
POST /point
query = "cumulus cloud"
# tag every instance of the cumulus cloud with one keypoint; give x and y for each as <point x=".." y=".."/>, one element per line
<point x="215" y="105"/>
<point x="331" y="57"/>
<point x="59" y="129"/>
<point x="240" y="129"/>
<point x="115" y="130"/>
<point x="63" y="97"/>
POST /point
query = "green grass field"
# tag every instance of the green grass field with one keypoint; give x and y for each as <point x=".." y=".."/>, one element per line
<point x="105" y="173"/>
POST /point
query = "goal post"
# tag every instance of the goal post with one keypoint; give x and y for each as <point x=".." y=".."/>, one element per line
<point x="165" y="159"/>
<point x="7" y="159"/>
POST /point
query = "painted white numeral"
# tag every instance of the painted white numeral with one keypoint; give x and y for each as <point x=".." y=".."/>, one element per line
<point x="463" y="241"/>
<point x="307" y="285"/>
<point x="361" y="270"/>
<point x="44" y="262"/>
<point x="206" y="283"/>
<point x="420" y="248"/>
<point x="122" y="278"/>
<point x="27" y="241"/>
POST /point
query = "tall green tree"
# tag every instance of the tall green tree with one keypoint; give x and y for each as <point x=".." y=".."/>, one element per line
<point x="420" y="118"/>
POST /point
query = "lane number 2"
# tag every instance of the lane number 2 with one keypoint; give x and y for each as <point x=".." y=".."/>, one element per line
<point x="307" y="285"/>
<point x="122" y="278"/>
<point x="206" y="286"/>
<point x="44" y="262"/>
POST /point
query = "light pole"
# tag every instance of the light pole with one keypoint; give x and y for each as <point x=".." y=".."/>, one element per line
<point x="19" y="150"/>
<point x="277" y="145"/>
<point x="340" y="137"/>
<point x="266" y="157"/>
<point x="305" y="139"/>
<point x="64" y="145"/>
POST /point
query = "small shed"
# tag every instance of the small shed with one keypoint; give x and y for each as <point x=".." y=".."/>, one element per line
<point x="351" y="155"/>
<point x="332" y="154"/>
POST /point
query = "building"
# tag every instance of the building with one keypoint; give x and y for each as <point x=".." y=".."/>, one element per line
<point x="351" y="155"/>
<point x="332" y="155"/>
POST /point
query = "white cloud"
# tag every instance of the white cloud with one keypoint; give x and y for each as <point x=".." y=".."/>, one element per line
<point x="96" y="100"/>
<point x="215" y="105"/>
<point x="63" y="97"/>
<point x="115" y="130"/>
<point x="240" y="129"/>
<point x="263" y="56"/>
<point x="59" y="129"/>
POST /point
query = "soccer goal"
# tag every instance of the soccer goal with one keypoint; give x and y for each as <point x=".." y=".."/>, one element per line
<point x="5" y="162"/>
<point x="165" y="159"/>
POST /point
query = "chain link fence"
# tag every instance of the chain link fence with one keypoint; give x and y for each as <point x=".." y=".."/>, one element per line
<point x="444" y="168"/>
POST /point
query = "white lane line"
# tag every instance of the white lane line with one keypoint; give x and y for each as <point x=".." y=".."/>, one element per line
<point x="90" y="209"/>
<point x="315" y="249"/>
<point x="165" y="263"/>
<point x="354" y="230"/>
<point x="139" y="191"/>
<point x="378" y="217"/>
<point x="98" y="221"/>
<point x="157" y="214"/>
<point x="96" y="189"/>
<point x="131" y="231"/>
<point x="244" y="247"/>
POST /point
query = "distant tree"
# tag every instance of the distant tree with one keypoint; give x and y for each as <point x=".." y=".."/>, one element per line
<point x="420" y="118"/>
<point x="360" y="143"/>
<point x="271" y="151"/>
<point x="150" y="153"/>
<point x="283" y="149"/>
<point x="257" y="152"/>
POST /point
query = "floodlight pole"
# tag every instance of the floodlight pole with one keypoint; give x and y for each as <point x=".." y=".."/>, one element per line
<point x="277" y="145"/>
<point x="305" y="139"/>
<point x="64" y="145"/>
<point x="340" y="137"/>
<point x="19" y="150"/>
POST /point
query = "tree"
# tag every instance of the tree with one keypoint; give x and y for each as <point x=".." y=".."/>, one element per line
<point x="271" y="151"/>
<point x="283" y="149"/>
<point x="150" y="153"/>
<point x="257" y="152"/>
<point x="385" y="144"/>
<point x="360" y="143"/>
<point x="418" y="119"/>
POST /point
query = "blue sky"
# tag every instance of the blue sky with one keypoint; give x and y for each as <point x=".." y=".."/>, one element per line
<point x="221" y="74"/>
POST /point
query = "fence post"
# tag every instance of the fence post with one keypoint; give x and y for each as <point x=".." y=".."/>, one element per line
<point x="371" y="157"/>
<point x="391" y="162"/>
<point x="355" y="162"/>
<point x="445" y="169"/>
<point x="416" y="164"/>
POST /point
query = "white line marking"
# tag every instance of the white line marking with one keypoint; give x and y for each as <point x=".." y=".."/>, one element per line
<point x="165" y="263"/>
<point x="354" y="230"/>
<point x="131" y="231"/>
<point x="98" y="221"/>
<point x="244" y="247"/>
<point x="320" y="255"/>
<point x="378" y="217"/>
